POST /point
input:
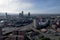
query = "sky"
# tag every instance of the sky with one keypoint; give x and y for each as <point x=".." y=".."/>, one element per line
<point x="33" y="6"/>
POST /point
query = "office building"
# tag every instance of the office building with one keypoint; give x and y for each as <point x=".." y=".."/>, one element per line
<point x="17" y="35"/>
<point x="28" y="14"/>
<point x="22" y="13"/>
<point x="34" y="23"/>
<point x="6" y="15"/>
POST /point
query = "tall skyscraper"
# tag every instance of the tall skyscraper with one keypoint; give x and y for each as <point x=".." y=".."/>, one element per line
<point x="34" y="23"/>
<point x="19" y="14"/>
<point x="6" y="15"/>
<point x="28" y="14"/>
<point x="22" y="13"/>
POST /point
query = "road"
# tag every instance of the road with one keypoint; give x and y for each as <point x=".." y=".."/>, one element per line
<point x="10" y="29"/>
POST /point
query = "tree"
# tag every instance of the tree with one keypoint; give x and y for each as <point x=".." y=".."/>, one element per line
<point x="45" y="39"/>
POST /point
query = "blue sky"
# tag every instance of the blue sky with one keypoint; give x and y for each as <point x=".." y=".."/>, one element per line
<point x="33" y="6"/>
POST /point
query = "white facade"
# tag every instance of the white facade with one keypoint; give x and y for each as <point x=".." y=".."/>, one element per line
<point x="34" y="23"/>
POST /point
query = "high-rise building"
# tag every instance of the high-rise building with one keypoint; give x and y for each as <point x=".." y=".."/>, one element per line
<point x="6" y="15"/>
<point x="22" y="12"/>
<point x="34" y="23"/>
<point x="28" y="14"/>
<point x="19" y="14"/>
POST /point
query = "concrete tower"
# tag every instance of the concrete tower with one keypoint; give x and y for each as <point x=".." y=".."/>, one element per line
<point x="34" y="23"/>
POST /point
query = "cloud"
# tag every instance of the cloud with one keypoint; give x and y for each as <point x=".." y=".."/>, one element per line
<point x="33" y="6"/>
<point x="14" y="5"/>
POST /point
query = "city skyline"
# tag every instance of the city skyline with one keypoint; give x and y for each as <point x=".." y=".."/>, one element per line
<point x="33" y="6"/>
